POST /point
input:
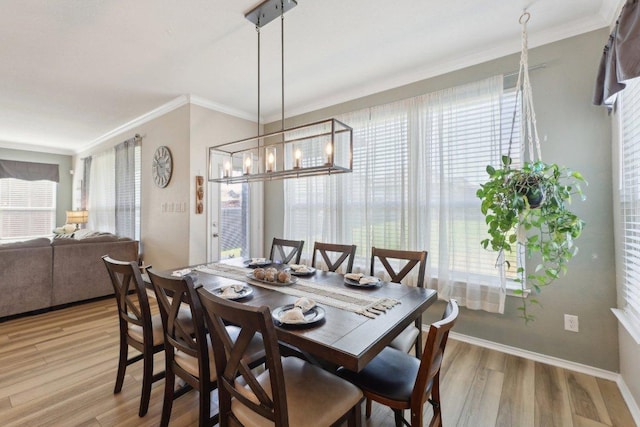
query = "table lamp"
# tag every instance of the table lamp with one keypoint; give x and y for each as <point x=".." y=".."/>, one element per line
<point x="77" y="217"/>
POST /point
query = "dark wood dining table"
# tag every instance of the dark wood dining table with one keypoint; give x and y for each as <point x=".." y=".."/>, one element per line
<point x="342" y="338"/>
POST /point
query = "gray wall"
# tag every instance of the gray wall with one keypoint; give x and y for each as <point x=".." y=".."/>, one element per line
<point x="576" y="134"/>
<point x="64" y="191"/>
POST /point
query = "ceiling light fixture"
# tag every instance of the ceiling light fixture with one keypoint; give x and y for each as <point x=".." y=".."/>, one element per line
<point x="321" y="148"/>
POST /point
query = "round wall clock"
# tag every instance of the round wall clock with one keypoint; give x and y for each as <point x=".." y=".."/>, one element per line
<point x="162" y="166"/>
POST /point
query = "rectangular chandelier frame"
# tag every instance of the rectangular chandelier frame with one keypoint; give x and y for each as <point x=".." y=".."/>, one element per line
<point x="321" y="148"/>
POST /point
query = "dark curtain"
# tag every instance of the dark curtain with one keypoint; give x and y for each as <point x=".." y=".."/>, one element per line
<point x="621" y="57"/>
<point x="29" y="171"/>
<point x="125" y="189"/>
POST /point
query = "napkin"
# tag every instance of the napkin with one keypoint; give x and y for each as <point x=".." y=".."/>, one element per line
<point x="304" y="303"/>
<point x="258" y="260"/>
<point x="180" y="273"/>
<point x="299" y="268"/>
<point x="294" y="315"/>
<point x="367" y="279"/>
<point x="353" y="276"/>
<point x="231" y="291"/>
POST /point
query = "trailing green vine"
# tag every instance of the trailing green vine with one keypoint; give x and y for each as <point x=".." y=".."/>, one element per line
<point x="529" y="207"/>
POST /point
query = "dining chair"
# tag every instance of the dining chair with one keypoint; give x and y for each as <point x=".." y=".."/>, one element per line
<point x="329" y="250"/>
<point x="138" y="328"/>
<point x="286" y="251"/>
<point x="186" y="344"/>
<point x="412" y="335"/>
<point x="289" y="392"/>
<point x="401" y="381"/>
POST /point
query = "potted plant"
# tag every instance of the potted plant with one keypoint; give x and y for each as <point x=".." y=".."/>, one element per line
<point x="529" y="207"/>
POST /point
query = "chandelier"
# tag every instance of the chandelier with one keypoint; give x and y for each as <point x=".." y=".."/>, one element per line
<point x="324" y="147"/>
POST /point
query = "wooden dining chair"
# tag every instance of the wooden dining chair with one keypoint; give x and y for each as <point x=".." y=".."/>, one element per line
<point x="289" y="392"/>
<point x="186" y="344"/>
<point x="339" y="254"/>
<point x="401" y="381"/>
<point x="188" y="350"/>
<point x="412" y="335"/>
<point x="138" y="328"/>
<point x="286" y="251"/>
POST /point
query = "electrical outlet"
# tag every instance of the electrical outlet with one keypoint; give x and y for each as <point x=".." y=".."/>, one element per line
<point x="571" y="322"/>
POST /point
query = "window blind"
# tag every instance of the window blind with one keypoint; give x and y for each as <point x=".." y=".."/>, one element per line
<point x="630" y="198"/>
<point x="27" y="208"/>
<point x="417" y="165"/>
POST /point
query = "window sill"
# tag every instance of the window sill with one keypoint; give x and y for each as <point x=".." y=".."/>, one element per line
<point x="625" y="321"/>
<point x="512" y="287"/>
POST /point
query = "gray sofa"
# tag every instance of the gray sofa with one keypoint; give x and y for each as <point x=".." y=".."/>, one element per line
<point x="42" y="273"/>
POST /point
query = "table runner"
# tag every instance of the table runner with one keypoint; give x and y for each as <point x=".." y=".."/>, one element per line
<point x="345" y="299"/>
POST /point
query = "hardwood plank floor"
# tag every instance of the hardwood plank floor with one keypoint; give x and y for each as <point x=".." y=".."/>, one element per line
<point x="58" y="369"/>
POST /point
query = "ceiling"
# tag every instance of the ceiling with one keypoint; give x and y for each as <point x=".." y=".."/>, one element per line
<point x="76" y="71"/>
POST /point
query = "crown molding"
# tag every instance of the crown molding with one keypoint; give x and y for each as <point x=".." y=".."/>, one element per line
<point x="161" y="111"/>
<point x="23" y="146"/>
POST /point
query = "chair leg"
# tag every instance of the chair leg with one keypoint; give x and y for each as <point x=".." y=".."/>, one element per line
<point x="436" y="421"/>
<point x="397" y="415"/>
<point x="368" y="408"/>
<point x="122" y="364"/>
<point x="169" y="384"/>
<point x="147" y="380"/>
<point x="355" y="416"/>
<point x="205" y="405"/>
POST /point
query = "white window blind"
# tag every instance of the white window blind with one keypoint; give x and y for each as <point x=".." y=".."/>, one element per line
<point x="417" y="165"/>
<point x="630" y="199"/>
<point x="27" y="208"/>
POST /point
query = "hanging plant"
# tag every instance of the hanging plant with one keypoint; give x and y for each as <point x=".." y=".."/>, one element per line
<point x="526" y="209"/>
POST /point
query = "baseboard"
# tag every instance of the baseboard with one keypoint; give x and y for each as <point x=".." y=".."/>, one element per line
<point x="538" y="357"/>
<point x="629" y="400"/>
<point x="561" y="363"/>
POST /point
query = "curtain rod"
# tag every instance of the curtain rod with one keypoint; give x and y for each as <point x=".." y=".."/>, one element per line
<point x="533" y="67"/>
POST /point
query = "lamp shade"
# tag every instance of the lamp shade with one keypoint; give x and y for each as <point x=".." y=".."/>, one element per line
<point x="77" y="217"/>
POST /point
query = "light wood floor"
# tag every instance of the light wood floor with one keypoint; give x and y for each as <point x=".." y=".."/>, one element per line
<point x="58" y="369"/>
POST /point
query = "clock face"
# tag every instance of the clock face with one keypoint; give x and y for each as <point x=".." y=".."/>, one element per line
<point x="162" y="166"/>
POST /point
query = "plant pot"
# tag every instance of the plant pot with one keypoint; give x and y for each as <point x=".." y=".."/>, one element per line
<point x="530" y="187"/>
<point x="535" y="197"/>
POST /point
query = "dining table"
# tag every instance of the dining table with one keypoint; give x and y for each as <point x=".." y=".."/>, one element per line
<point x="356" y="322"/>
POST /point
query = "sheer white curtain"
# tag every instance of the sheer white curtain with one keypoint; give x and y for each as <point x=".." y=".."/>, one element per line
<point x="102" y="192"/>
<point x="417" y="166"/>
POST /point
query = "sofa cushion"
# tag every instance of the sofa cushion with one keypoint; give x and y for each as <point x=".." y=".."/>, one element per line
<point x="33" y="243"/>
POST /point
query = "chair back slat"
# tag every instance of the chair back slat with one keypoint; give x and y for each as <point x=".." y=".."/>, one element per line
<point x="130" y="292"/>
<point x="182" y="333"/>
<point x="346" y="253"/>
<point x="233" y="371"/>
<point x="413" y="258"/>
<point x="286" y="251"/>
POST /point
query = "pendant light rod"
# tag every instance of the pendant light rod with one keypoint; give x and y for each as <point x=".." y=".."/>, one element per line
<point x="258" y="31"/>
<point x="282" y="59"/>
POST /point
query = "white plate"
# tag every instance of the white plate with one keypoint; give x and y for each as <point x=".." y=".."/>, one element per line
<point x="243" y="293"/>
<point x="357" y="284"/>
<point x="276" y="283"/>
<point x="312" y="316"/>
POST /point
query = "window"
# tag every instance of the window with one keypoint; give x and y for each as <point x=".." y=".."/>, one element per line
<point x="417" y="166"/>
<point x="629" y="205"/>
<point x="112" y="189"/>
<point x="27" y="208"/>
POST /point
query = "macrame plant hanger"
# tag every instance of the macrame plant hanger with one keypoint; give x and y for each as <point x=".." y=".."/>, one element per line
<point x="528" y="129"/>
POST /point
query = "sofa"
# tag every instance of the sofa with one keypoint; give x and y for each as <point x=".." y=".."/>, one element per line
<point x="43" y="273"/>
